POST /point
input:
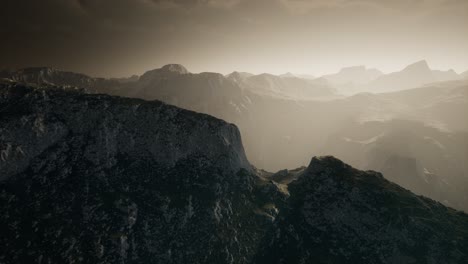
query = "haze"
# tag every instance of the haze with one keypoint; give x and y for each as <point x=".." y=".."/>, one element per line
<point x="384" y="95"/>
<point x="112" y="38"/>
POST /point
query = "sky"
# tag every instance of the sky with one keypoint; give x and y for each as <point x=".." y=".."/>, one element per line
<point x="115" y="38"/>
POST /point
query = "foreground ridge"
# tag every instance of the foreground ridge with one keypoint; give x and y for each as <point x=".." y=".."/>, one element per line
<point x="337" y="214"/>
<point x="102" y="179"/>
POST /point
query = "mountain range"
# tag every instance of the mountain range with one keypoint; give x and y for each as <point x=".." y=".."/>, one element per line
<point x="357" y="75"/>
<point x="412" y="76"/>
<point x="274" y="116"/>
<point x="284" y="86"/>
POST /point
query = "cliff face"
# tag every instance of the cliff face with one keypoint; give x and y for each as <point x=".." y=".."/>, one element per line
<point x="36" y="119"/>
<point x="101" y="179"/>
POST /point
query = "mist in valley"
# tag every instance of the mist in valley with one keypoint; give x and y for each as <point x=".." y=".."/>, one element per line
<point x="417" y="137"/>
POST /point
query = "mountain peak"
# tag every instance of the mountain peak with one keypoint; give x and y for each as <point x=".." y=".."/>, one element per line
<point x="320" y="163"/>
<point x="169" y="70"/>
<point x="287" y="75"/>
<point x="418" y="66"/>
<point x="176" y="68"/>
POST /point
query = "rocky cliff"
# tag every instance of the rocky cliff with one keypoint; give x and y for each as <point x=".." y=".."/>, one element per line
<point x="101" y="179"/>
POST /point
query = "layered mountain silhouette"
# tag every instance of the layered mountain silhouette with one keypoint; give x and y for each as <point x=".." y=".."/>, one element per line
<point x="45" y="75"/>
<point x="239" y="77"/>
<point x="353" y="75"/>
<point x="412" y="76"/>
<point x="417" y="157"/>
<point x="286" y="86"/>
<point x="101" y="179"/>
<point x="272" y="123"/>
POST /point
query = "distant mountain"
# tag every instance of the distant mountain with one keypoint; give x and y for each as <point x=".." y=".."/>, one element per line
<point x="45" y="75"/>
<point x="286" y="86"/>
<point x="101" y="179"/>
<point x="414" y="75"/>
<point x="287" y="75"/>
<point x="133" y="78"/>
<point x="167" y="71"/>
<point x="239" y="77"/>
<point x="204" y="92"/>
<point x="355" y="75"/>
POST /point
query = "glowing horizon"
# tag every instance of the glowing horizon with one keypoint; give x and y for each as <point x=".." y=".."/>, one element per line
<point x="121" y="38"/>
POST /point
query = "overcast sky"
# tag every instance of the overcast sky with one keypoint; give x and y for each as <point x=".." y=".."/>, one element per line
<point x="123" y="37"/>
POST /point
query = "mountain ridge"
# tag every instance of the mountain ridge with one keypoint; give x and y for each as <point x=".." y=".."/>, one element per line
<point x="131" y="181"/>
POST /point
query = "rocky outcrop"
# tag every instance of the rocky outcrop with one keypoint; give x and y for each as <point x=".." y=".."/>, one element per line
<point x="100" y="179"/>
<point x="36" y="119"/>
<point x="337" y="214"/>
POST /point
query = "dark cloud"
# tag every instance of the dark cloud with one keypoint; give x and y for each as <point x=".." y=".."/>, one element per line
<point x="121" y="37"/>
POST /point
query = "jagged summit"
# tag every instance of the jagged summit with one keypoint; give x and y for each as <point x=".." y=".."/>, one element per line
<point x="167" y="71"/>
<point x="418" y="66"/>
<point x="333" y="168"/>
<point x="176" y="68"/>
<point x="238" y="76"/>
<point x="319" y="163"/>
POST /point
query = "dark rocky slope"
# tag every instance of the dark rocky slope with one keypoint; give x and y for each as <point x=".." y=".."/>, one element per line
<point x="101" y="179"/>
<point x="337" y="214"/>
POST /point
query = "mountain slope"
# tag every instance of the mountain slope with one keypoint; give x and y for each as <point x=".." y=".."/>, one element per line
<point x="337" y="214"/>
<point x="102" y="179"/>
<point x="274" y="124"/>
